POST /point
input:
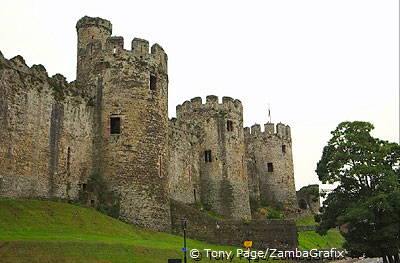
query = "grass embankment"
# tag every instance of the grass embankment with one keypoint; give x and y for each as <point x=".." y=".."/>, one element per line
<point x="311" y="239"/>
<point x="42" y="231"/>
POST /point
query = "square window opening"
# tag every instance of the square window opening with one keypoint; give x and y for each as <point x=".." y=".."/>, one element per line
<point x="153" y="82"/>
<point x="115" y="125"/>
<point x="270" y="167"/>
<point x="207" y="156"/>
<point x="229" y="125"/>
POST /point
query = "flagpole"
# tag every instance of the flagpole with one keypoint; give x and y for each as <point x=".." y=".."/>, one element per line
<point x="269" y="113"/>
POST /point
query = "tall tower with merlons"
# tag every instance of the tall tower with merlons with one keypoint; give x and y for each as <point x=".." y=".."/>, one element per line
<point x="129" y="91"/>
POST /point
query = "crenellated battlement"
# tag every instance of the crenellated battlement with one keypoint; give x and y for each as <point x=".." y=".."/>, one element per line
<point x="211" y="104"/>
<point x="117" y="111"/>
<point x="138" y="46"/>
<point x="115" y="42"/>
<point x="95" y="40"/>
<point x="270" y="129"/>
<point x="115" y="50"/>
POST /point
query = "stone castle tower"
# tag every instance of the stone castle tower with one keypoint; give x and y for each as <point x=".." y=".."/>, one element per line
<point x="130" y="93"/>
<point x="270" y="164"/>
<point x="57" y="139"/>
<point x="221" y="170"/>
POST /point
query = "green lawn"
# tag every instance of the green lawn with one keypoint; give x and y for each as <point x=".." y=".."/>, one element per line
<point x="311" y="239"/>
<point x="44" y="231"/>
<point x="306" y="221"/>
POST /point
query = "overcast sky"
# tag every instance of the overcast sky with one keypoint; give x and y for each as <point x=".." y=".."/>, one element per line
<point x="316" y="62"/>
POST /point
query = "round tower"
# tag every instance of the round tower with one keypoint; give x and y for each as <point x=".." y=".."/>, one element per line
<point x="93" y="33"/>
<point x="134" y="117"/>
<point x="270" y="164"/>
<point x="129" y="94"/>
<point x="223" y="176"/>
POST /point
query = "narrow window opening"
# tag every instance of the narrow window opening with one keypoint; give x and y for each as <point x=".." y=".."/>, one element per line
<point x="84" y="186"/>
<point x="229" y="125"/>
<point x="92" y="202"/>
<point x="153" y="82"/>
<point x="68" y="159"/>
<point x="92" y="37"/>
<point x="160" y="169"/>
<point x="115" y="125"/>
<point x="194" y="195"/>
<point x="270" y="167"/>
<point x="284" y="148"/>
<point x="207" y="156"/>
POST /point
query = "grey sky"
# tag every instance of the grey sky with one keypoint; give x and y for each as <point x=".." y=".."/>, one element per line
<point x="316" y="63"/>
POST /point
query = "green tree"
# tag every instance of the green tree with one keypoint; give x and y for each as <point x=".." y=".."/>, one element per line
<point x="366" y="204"/>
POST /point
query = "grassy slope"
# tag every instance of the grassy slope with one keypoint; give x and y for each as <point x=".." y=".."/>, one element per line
<point x="43" y="231"/>
<point x="310" y="239"/>
<point x="306" y="221"/>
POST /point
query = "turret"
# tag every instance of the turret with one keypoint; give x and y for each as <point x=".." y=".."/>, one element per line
<point x="93" y="33"/>
<point x="129" y="89"/>
<point x="91" y="29"/>
<point x="270" y="164"/>
<point x="223" y="175"/>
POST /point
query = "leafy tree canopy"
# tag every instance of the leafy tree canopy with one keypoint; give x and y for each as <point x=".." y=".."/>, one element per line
<point x="366" y="204"/>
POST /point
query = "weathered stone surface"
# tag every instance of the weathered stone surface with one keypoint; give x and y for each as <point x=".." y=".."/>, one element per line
<point x="222" y="177"/>
<point x="134" y="161"/>
<point x="309" y="200"/>
<point x="279" y="234"/>
<point x="274" y="147"/>
<point x="45" y="134"/>
<point x="111" y="127"/>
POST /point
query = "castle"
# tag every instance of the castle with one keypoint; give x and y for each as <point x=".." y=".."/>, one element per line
<point x="111" y="124"/>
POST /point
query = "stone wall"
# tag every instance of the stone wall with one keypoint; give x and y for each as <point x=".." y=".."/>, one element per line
<point x="131" y="86"/>
<point x="45" y="134"/>
<point x="278" y="234"/>
<point x="184" y="162"/>
<point x="223" y="176"/>
<point x="309" y="200"/>
<point x="59" y="138"/>
<point x="274" y="184"/>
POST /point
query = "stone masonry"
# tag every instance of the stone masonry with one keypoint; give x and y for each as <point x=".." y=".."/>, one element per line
<point x="270" y="164"/>
<point x="111" y="124"/>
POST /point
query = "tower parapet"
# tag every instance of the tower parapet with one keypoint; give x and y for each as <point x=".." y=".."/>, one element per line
<point x="140" y="46"/>
<point x="87" y="21"/>
<point x="270" y="164"/>
<point x="196" y="104"/>
<point x="223" y="176"/>
<point x="129" y="90"/>
<point x="279" y="130"/>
